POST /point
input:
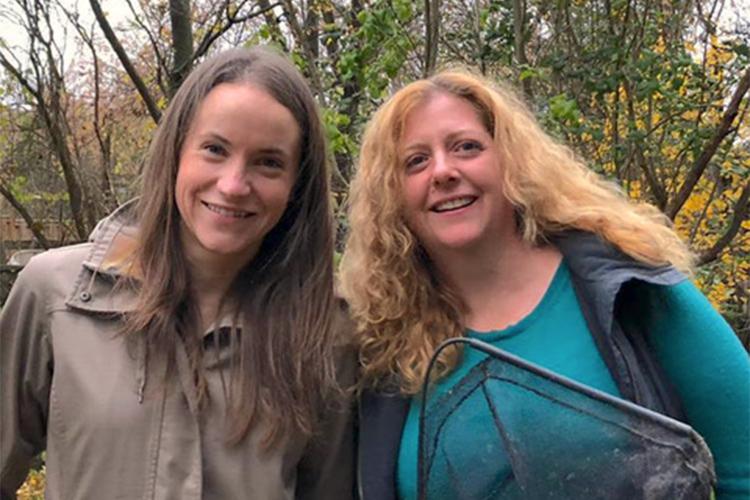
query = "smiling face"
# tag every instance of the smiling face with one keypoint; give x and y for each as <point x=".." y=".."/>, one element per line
<point x="236" y="170"/>
<point x="452" y="179"/>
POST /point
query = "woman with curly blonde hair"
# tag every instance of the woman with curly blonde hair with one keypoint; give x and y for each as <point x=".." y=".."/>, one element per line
<point x="467" y="219"/>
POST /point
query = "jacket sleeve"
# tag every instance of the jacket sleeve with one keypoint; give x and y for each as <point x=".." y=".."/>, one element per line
<point x="327" y="469"/>
<point x="710" y="371"/>
<point x="26" y="374"/>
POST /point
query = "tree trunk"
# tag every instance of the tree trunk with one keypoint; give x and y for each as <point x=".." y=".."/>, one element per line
<point x="182" y="42"/>
<point x="519" y="42"/>
<point x="432" y="35"/>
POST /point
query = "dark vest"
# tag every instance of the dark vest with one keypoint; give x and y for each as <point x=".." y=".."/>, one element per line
<point x="601" y="276"/>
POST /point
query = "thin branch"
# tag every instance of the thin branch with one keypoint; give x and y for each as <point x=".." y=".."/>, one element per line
<point x="51" y="114"/>
<point x="26" y="216"/>
<point x="740" y="215"/>
<point x="19" y="77"/>
<point x="724" y="129"/>
<point x="212" y="35"/>
<point x="699" y="219"/>
<point x="104" y="143"/>
<point x="312" y="69"/>
<point x="153" y="109"/>
<point x="161" y="62"/>
<point x="272" y="22"/>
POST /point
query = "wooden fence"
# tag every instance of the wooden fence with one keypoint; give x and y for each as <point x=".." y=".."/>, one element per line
<point x="14" y="230"/>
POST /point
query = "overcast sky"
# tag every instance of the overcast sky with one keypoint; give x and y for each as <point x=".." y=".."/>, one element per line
<point x="118" y="12"/>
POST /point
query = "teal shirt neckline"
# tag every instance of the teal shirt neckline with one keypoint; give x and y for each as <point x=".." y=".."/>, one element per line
<point x="556" y="286"/>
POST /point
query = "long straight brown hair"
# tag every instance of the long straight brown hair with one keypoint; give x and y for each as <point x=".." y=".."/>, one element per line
<point x="282" y="366"/>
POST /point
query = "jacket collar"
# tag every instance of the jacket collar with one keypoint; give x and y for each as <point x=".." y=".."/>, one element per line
<point x="97" y="289"/>
<point x="604" y="269"/>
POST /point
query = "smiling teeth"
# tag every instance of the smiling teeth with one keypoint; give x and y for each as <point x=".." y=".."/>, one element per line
<point x="453" y="204"/>
<point x="227" y="213"/>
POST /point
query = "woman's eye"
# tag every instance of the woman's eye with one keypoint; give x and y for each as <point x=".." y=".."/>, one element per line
<point x="273" y="163"/>
<point x="469" y="146"/>
<point x="215" y="149"/>
<point x="414" y="162"/>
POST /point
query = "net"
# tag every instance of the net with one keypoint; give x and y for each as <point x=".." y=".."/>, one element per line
<point x="510" y="430"/>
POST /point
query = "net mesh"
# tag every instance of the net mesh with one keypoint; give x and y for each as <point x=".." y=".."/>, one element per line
<point x="509" y="429"/>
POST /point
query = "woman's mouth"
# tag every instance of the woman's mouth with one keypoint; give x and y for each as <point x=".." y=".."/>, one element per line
<point x="453" y="204"/>
<point x="226" y="212"/>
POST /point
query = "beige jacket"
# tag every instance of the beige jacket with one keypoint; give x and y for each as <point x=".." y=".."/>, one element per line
<point x="71" y="386"/>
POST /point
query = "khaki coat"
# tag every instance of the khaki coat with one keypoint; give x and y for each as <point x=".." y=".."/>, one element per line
<point x="71" y="385"/>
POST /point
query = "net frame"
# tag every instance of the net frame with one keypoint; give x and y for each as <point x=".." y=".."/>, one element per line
<point x="623" y="405"/>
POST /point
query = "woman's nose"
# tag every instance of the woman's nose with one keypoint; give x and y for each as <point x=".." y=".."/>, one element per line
<point x="444" y="170"/>
<point x="234" y="181"/>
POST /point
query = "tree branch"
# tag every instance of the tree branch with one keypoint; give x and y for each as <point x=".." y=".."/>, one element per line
<point x="153" y="109"/>
<point x="161" y="63"/>
<point x="19" y="77"/>
<point x="272" y="22"/>
<point x="213" y="34"/>
<point x="105" y="146"/>
<point x="724" y="129"/>
<point x="740" y="215"/>
<point x="26" y="216"/>
<point x="299" y="35"/>
<point x="50" y="112"/>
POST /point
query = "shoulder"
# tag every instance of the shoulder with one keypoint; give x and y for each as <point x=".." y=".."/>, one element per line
<point x="668" y="303"/>
<point x="57" y="259"/>
<point x="599" y="263"/>
<point x="42" y="287"/>
<point x="53" y="273"/>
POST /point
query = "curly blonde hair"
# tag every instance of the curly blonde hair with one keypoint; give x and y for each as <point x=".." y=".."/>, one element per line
<point x="402" y="310"/>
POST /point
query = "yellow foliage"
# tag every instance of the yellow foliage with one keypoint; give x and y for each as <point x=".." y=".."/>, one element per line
<point x="659" y="47"/>
<point x="670" y="151"/>
<point x="718" y="294"/>
<point x="656" y="117"/>
<point x="695" y="204"/>
<point x="718" y="54"/>
<point x="690" y="115"/>
<point x="33" y="488"/>
<point x="634" y="190"/>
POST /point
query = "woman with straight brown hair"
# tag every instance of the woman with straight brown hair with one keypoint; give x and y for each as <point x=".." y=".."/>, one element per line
<point x="193" y="347"/>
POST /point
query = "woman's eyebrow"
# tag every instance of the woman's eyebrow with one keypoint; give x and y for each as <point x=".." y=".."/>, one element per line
<point x="276" y="151"/>
<point x="215" y="136"/>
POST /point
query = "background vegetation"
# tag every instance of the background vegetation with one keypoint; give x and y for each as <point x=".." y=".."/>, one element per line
<point x="653" y="93"/>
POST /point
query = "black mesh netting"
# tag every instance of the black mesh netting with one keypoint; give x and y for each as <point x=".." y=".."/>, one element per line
<point x="509" y="429"/>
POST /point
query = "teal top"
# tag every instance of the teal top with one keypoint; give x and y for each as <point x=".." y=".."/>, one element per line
<point x="698" y="350"/>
